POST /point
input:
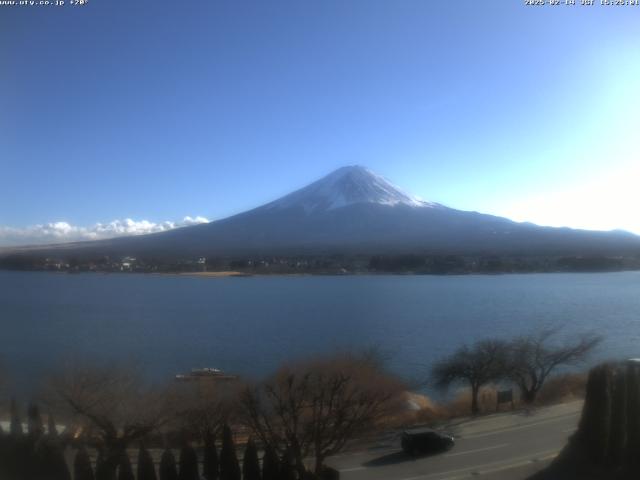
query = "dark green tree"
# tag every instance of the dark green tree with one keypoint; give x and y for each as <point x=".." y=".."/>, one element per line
<point x="52" y="431"/>
<point x="146" y="470"/>
<point x="3" y="454"/>
<point x="82" y="469"/>
<point x="605" y="444"/>
<point x="250" y="462"/>
<point x="168" y="470"/>
<point x="100" y="472"/>
<point x="633" y="414"/>
<point x="188" y="464"/>
<point x="50" y="463"/>
<point x="125" y="471"/>
<point x="106" y="465"/>
<point x="16" y="423"/>
<point x="618" y="435"/>
<point x="210" y="465"/>
<point x="19" y="449"/>
<point x="270" y="464"/>
<point x="229" y="466"/>
<point x="35" y="427"/>
<point x="595" y="423"/>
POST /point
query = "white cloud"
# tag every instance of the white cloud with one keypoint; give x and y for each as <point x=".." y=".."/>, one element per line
<point x="58" y="232"/>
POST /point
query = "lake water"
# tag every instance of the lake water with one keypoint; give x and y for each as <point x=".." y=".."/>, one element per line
<point x="169" y="324"/>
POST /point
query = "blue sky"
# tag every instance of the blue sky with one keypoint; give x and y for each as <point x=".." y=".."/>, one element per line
<point x="153" y="111"/>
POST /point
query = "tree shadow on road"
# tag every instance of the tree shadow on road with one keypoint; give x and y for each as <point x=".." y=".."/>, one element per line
<point x="389" y="459"/>
<point x="395" y="458"/>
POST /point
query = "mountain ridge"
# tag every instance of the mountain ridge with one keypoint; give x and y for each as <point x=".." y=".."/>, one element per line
<point x="353" y="211"/>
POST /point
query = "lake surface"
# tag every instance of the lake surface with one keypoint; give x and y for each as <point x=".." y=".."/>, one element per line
<point x="169" y="324"/>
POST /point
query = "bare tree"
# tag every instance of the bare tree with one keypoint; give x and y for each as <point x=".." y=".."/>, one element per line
<point x="532" y="358"/>
<point x="477" y="365"/>
<point x="314" y="409"/>
<point x="109" y="403"/>
<point x="202" y="407"/>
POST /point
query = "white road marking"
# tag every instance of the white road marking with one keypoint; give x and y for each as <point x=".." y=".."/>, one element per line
<point x="502" y="445"/>
<point x="354" y="469"/>
<point x="493" y="447"/>
<point x="520" y="427"/>
<point x="488" y="467"/>
<point x="493" y="466"/>
<point x="504" y="467"/>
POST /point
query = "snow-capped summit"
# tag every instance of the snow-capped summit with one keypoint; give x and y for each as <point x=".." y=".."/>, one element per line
<point x="347" y="186"/>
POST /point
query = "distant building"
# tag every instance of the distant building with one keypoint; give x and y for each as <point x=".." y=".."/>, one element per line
<point x="205" y="374"/>
<point x="127" y="263"/>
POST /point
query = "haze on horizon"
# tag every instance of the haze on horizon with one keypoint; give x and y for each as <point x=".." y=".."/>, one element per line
<point x="122" y="118"/>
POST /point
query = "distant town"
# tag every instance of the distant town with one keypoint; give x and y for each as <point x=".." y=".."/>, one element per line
<point x="337" y="264"/>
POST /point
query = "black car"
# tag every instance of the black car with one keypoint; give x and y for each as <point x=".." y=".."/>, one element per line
<point x="423" y="441"/>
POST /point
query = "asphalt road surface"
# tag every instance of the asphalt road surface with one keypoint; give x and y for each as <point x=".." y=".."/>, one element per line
<point x="502" y="446"/>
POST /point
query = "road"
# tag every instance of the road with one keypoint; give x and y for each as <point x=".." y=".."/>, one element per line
<point x="502" y="446"/>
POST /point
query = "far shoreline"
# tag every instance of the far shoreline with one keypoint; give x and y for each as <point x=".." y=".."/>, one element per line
<point x="220" y="274"/>
<point x="240" y="274"/>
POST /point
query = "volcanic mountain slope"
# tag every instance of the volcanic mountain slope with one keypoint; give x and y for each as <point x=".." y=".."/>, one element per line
<point x="355" y="211"/>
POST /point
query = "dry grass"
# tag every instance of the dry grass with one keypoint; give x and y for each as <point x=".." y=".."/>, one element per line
<point x="563" y="388"/>
<point x="559" y="389"/>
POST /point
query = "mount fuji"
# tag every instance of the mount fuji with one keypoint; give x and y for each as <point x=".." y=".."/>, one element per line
<point x="355" y="211"/>
<point x="347" y="186"/>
